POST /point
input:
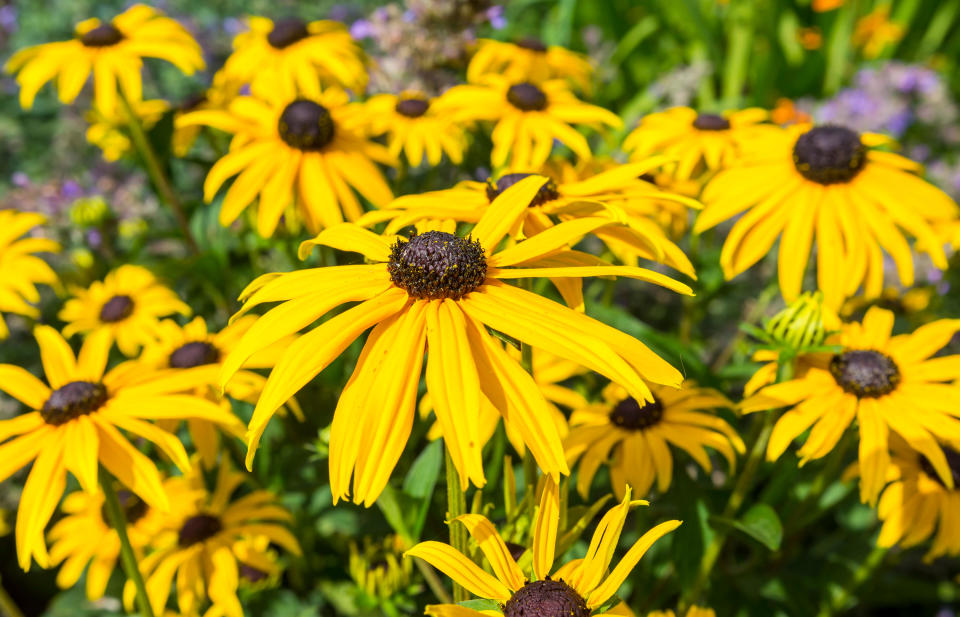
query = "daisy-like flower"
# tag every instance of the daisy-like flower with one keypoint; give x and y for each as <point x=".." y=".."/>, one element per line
<point x="886" y="383"/>
<point x="290" y="149"/>
<point x="618" y="196"/>
<point x="108" y="132"/>
<point x="73" y="427"/>
<point x="413" y="125"/>
<point x="128" y="304"/>
<point x="529" y="59"/>
<point x="698" y="141"/>
<point x="296" y="53"/>
<point x="21" y="270"/>
<point x="443" y="290"/>
<point x="825" y="182"/>
<point x="206" y="541"/>
<point x="84" y="539"/>
<point x="918" y="503"/>
<point x="528" y="118"/>
<point x="575" y="589"/>
<point x="636" y="436"/>
<point x="113" y="51"/>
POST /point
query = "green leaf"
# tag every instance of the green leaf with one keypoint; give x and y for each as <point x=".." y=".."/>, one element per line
<point x="423" y="474"/>
<point x="762" y="524"/>
<point x="389" y="503"/>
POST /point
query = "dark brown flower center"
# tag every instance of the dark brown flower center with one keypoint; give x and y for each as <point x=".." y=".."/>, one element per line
<point x="412" y="108"/>
<point x="103" y="35"/>
<point x="287" y="31"/>
<point x="306" y="125"/>
<point x="198" y="529"/>
<point x="865" y="373"/>
<point x="829" y="154"/>
<point x="953" y="460"/>
<point x="527" y="97"/>
<point x="70" y="401"/>
<point x="711" y="122"/>
<point x="547" y="192"/>
<point x="251" y="574"/>
<point x="632" y="416"/>
<point x="116" y="309"/>
<point x="516" y="550"/>
<point x="133" y="507"/>
<point x="194" y="354"/>
<point x="532" y="43"/>
<point x="436" y="264"/>
<point x="546" y="598"/>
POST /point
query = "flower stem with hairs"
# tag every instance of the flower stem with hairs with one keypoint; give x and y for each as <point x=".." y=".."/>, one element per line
<point x="118" y="521"/>
<point x="456" y="505"/>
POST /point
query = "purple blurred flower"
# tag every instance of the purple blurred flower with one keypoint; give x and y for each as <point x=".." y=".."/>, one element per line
<point x="8" y="17"/>
<point x="71" y="190"/>
<point x="496" y="17"/>
<point x="20" y="179"/>
<point x="361" y="29"/>
<point x="94" y="238"/>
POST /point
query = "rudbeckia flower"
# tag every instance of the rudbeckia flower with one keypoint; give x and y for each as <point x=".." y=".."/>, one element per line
<point x="289" y="149"/>
<point x="21" y="270"/>
<point x="128" y="304"/>
<point x="529" y="59"/>
<point x="825" y="182"/>
<point x="575" y="589"/>
<point x="296" y="53"/>
<point x="113" y="51"/>
<point x="638" y="434"/>
<point x="528" y="117"/>
<point x="73" y="427"/>
<point x="698" y="141"/>
<point x="917" y="504"/>
<point x="108" y="131"/>
<point x="207" y="539"/>
<point x="413" y="125"/>
<point x="886" y="383"/>
<point x="441" y="290"/>
<point x="83" y="539"/>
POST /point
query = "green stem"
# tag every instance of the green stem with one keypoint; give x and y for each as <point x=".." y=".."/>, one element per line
<point x="456" y="506"/>
<point x="433" y="581"/>
<point x="7" y="606"/>
<point x="155" y="171"/>
<point x="118" y="521"/>
<point x="839" y="601"/>
<point x="738" y="53"/>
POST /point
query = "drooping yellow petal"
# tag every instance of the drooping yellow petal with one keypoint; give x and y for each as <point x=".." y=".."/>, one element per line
<point x="545" y="529"/>
<point x="460" y="569"/>
<point x="495" y="549"/>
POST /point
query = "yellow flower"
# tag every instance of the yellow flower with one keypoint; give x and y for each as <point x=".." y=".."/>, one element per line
<point x="84" y="539"/>
<point x="107" y="131"/>
<point x="614" y="203"/>
<point x="21" y="270"/>
<point x="297" y="53"/>
<point x="528" y="117"/>
<point x="638" y="435"/>
<point x="874" y="32"/>
<point x="883" y="382"/>
<point x="443" y="290"/>
<point x="917" y="502"/>
<point x="573" y="590"/>
<point x="413" y="125"/>
<point x="208" y="540"/>
<point x="128" y="304"/>
<point x="73" y="427"/>
<point x="288" y="149"/>
<point x="697" y="141"/>
<point x="825" y="182"/>
<point x="113" y="51"/>
<point x="529" y="59"/>
<point x="217" y="97"/>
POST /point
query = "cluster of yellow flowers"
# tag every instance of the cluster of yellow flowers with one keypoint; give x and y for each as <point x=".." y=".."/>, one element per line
<point x="302" y="148"/>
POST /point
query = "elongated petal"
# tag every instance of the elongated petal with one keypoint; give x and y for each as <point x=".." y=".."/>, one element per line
<point x="21" y="385"/>
<point x="130" y="466"/>
<point x="503" y="212"/>
<point x="352" y="238"/>
<point x="619" y="574"/>
<point x="545" y="529"/>
<point x="495" y="549"/>
<point x="59" y="364"/>
<point x="461" y="570"/>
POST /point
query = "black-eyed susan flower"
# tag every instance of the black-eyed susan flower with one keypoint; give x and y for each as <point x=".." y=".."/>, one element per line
<point x="297" y="53"/>
<point x="917" y="504"/>
<point x="635" y="436"/>
<point x="21" y="270"/>
<point x="575" y="589"/>
<point x="112" y="51"/>
<point x="413" y="125"/>
<point x="107" y="131"/>
<point x="84" y="540"/>
<point x="441" y="290"/>
<point x="128" y="304"/>
<point x="290" y="150"/>
<point x="825" y="182"/>
<point x="529" y="59"/>
<point x="698" y="141"/>
<point x="528" y="118"/>
<point x="886" y="383"/>
<point x="73" y="426"/>
<point x="207" y="539"/>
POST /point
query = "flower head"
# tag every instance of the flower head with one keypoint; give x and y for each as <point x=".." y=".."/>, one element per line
<point x="529" y="59"/>
<point x="413" y="125"/>
<point x="22" y="269"/>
